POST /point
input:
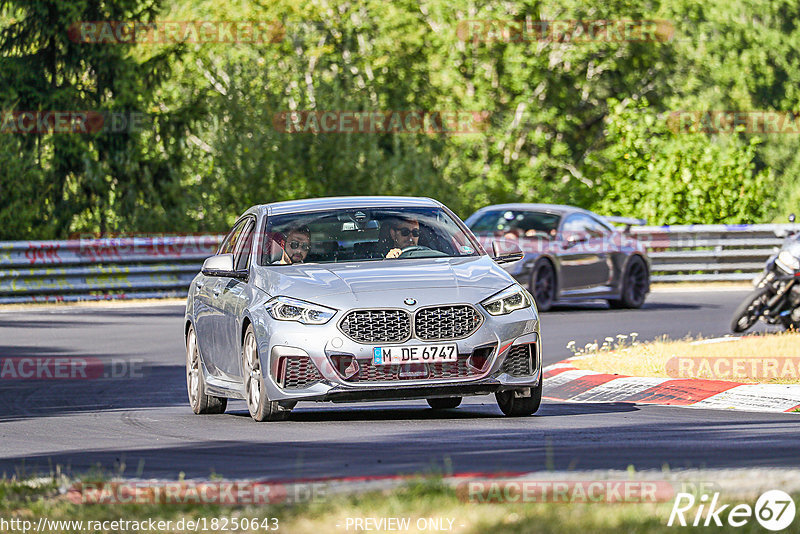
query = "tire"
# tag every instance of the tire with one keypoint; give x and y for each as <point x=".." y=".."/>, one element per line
<point x="635" y="285"/>
<point x="520" y="406"/>
<point x="749" y="310"/>
<point x="260" y="407"/>
<point x="543" y="285"/>
<point x="447" y="403"/>
<point x="201" y="403"/>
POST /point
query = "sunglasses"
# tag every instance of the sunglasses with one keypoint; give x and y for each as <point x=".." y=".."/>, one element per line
<point x="405" y="231"/>
<point x="294" y="245"/>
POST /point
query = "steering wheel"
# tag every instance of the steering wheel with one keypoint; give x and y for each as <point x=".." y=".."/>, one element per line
<point x="410" y="250"/>
<point x="413" y="248"/>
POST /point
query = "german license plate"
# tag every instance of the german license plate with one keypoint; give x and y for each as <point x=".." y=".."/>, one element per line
<point x="400" y="355"/>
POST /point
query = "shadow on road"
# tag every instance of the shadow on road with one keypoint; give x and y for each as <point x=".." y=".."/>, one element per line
<point x="360" y="413"/>
<point x="301" y="449"/>
<point x="149" y="387"/>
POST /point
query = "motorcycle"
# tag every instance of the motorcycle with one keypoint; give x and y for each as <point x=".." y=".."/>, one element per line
<point x="776" y="299"/>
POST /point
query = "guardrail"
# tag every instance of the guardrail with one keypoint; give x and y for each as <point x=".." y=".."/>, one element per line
<point x="156" y="267"/>
<point x="100" y="269"/>
<point x="710" y="252"/>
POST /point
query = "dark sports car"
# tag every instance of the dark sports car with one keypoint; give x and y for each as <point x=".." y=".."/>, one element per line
<point x="570" y="253"/>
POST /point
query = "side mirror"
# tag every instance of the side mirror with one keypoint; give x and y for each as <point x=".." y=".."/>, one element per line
<point x="222" y="265"/>
<point x="574" y="239"/>
<point x="791" y="217"/>
<point x="507" y="253"/>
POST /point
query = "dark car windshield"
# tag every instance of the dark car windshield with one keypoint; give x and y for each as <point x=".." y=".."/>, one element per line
<point x="335" y="236"/>
<point x="525" y="223"/>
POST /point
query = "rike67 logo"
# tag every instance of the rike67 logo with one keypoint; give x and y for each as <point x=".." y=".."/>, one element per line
<point x="774" y="510"/>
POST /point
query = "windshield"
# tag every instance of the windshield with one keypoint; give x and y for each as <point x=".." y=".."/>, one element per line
<point x="378" y="234"/>
<point x="522" y="223"/>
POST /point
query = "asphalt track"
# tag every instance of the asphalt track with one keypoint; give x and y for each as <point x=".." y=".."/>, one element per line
<point x="143" y="427"/>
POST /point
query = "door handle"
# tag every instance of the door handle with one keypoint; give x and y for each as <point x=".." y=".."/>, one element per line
<point x="216" y="291"/>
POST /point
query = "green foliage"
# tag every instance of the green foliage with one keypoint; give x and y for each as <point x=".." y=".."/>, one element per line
<point x="650" y="172"/>
<point x="23" y="193"/>
<point x="333" y="63"/>
<point x="548" y="99"/>
<point x="561" y="115"/>
<point x="103" y="181"/>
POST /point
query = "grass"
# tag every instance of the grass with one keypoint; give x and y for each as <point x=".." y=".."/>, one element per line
<point x="417" y="501"/>
<point x="771" y="358"/>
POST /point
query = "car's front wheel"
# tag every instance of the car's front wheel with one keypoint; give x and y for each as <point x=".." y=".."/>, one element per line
<point x="260" y="407"/>
<point x="446" y="403"/>
<point x="515" y="404"/>
<point x="196" y="384"/>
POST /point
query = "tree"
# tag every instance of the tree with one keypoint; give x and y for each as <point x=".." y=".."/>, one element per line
<point x="673" y="178"/>
<point x="97" y="181"/>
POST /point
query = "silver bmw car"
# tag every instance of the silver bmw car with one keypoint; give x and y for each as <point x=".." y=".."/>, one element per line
<point x="357" y="299"/>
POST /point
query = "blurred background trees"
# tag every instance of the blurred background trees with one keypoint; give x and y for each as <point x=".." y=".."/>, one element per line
<point x="579" y="123"/>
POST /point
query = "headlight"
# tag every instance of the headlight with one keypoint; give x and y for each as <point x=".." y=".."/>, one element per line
<point x="788" y="260"/>
<point x="289" y="309"/>
<point x="509" y="300"/>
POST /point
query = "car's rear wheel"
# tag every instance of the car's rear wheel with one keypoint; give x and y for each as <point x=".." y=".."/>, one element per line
<point x="196" y="384"/>
<point x="446" y="403"/>
<point x="259" y="405"/>
<point x="635" y="284"/>
<point x="543" y="285"/>
<point x="513" y="404"/>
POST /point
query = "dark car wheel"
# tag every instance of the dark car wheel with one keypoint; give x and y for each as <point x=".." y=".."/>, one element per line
<point x="515" y="406"/>
<point x="635" y="285"/>
<point x="446" y="403"/>
<point x="260" y="407"/>
<point x="195" y="383"/>
<point x="543" y="285"/>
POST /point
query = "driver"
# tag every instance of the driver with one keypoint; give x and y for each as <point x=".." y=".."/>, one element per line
<point x="403" y="233"/>
<point x="296" y="245"/>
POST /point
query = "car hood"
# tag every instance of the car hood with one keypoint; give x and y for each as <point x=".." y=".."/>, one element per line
<point x="384" y="281"/>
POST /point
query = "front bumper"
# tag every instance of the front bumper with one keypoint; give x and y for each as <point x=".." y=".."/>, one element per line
<point x="318" y="347"/>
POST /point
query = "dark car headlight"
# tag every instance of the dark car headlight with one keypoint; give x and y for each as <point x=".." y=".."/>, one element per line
<point x="509" y="300"/>
<point x="289" y="309"/>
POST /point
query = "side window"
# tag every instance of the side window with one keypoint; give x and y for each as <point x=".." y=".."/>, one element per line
<point x="573" y="225"/>
<point x="244" y="247"/>
<point x="595" y="229"/>
<point x="229" y="243"/>
<point x="584" y="227"/>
